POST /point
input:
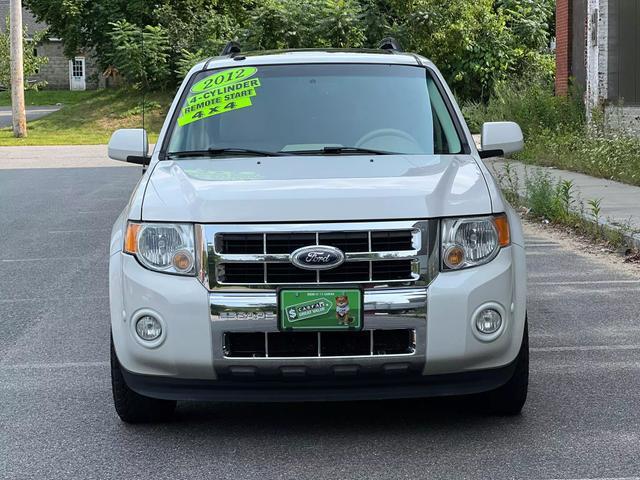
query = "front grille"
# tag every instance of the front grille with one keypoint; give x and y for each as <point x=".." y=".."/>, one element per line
<point x="285" y="242"/>
<point x="347" y="241"/>
<point x="242" y="243"/>
<point x="287" y="273"/>
<point x="319" y="344"/>
<point x="391" y="270"/>
<point x="387" y="241"/>
<point x="347" y="272"/>
<point x="372" y="256"/>
<point x="242" y="273"/>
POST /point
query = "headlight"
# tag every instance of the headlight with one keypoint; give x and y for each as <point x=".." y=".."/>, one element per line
<point x="164" y="247"/>
<point x="468" y="242"/>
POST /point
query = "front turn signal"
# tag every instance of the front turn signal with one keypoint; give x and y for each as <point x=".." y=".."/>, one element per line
<point x="131" y="238"/>
<point x="502" y="226"/>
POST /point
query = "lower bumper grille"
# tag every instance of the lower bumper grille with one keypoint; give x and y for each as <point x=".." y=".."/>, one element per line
<point x="319" y="344"/>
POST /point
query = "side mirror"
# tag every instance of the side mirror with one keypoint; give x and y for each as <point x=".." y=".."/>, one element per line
<point x="129" y="145"/>
<point x="499" y="138"/>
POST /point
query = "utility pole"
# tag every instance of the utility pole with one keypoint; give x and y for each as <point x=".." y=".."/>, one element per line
<point x="17" y="71"/>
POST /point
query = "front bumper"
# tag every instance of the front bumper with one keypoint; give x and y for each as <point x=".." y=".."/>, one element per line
<point x="325" y="390"/>
<point x="448" y="357"/>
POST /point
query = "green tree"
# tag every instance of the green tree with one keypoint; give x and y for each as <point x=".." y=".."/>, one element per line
<point x="531" y="23"/>
<point x="85" y="24"/>
<point x="476" y="44"/>
<point x="31" y="61"/>
<point x="198" y="29"/>
<point x="276" y="24"/>
<point x="192" y="27"/>
<point x="141" y="54"/>
<point x="468" y="41"/>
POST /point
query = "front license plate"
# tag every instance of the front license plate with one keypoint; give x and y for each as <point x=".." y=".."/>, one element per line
<point x="316" y="309"/>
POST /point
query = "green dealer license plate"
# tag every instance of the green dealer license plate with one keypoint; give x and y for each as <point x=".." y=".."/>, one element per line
<point x="320" y="309"/>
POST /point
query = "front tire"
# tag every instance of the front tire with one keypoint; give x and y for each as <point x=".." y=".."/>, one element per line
<point x="132" y="407"/>
<point x="509" y="399"/>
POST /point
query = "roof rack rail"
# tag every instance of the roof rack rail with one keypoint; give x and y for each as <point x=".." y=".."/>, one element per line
<point x="231" y="48"/>
<point x="390" y="43"/>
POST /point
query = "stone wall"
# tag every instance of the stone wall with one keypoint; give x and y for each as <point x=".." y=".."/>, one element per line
<point x="623" y="118"/>
<point x="56" y="71"/>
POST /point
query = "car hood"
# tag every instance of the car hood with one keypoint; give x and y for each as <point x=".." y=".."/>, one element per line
<point x="315" y="188"/>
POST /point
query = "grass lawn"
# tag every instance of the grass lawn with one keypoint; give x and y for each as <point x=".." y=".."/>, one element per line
<point x="91" y="117"/>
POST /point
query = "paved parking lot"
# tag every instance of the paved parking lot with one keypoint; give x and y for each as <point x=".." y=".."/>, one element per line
<point x="33" y="113"/>
<point x="57" y="421"/>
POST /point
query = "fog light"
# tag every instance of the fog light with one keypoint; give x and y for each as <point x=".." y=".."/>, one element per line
<point x="488" y="321"/>
<point x="148" y="328"/>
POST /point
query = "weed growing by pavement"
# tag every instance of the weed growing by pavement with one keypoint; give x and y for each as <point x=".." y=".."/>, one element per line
<point x="566" y="194"/>
<point x="612" y="155"/>
<point x="594" y="207"/>
<point x="543" y="198"/>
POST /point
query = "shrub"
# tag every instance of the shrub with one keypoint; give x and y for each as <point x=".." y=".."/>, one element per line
<point x="543" y="197"/>
<point x="532" y="104"/>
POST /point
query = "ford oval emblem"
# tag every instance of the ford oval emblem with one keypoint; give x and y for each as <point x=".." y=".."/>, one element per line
<point x="317" y="257"/>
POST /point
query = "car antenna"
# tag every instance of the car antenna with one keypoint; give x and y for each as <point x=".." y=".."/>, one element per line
<point x="144" y="89"/>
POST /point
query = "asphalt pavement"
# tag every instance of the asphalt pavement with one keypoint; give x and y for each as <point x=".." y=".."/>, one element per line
<point x="33" y="113"/>
<point x="57" y="421"/>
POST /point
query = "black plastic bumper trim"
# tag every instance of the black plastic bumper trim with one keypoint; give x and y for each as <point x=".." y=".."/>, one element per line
<point x="336" y="389"/>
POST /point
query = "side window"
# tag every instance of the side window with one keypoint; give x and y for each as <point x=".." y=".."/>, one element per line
<point x="445" y="137"/>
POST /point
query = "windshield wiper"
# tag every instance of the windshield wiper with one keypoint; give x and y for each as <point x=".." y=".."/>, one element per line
<point x="341" y="151"/>
<point x="214" y="152"/>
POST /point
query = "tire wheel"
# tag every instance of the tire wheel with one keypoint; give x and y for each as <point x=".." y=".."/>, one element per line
<point x="510" y="398"/>
<point x="132" y="407"/>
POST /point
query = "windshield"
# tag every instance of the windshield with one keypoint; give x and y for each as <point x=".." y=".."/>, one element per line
<point x="318" y="108"/>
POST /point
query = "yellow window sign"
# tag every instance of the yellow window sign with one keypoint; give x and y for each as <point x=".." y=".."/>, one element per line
<point x="227" y="93"/>
<point x="211" y="108"/>
<point x="220" y="93"/>
<point x="225" y="77"/>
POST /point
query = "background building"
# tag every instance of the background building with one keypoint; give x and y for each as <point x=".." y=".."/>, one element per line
<point x="598" y="45"/>
<point x="61" y="72"/>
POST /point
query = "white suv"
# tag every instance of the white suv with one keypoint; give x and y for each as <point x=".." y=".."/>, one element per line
<point x="315" y="226"/>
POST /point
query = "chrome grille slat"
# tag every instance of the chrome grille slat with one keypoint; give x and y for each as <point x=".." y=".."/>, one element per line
<point x="286" y="258"/>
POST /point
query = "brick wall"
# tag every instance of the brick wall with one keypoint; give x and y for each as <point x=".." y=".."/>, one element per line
<point x="563" y="46"/>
